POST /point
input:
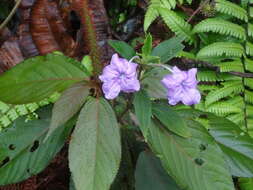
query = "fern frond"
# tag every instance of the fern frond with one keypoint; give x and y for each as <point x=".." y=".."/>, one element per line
<point x="250" y="30"/>
<point x="9" y="113"/>
<point x="203" y="87"/>
<point x="235" y="65"/>
<point x="220" y="26"/>
<point x="177" y="24"/>
<point x="232" y="9"/>
<point x="249" y="110"/>
<point x="249" y="64"/>
<point x="221" y="48"/>
<point x="249" y="96"/>
<point x="222" y="108"/>
<point x="234" y="87"/>
<point x="212" y="76"/>
<point x="249" y="48"/>
<point x="150" y="16"/>
<point x="248" y="82"/>
<point x="169" y="4"/>
<point x="237" y="118"/>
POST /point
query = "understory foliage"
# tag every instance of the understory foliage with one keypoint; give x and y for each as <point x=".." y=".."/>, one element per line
<point x="224" y="41"/>
<point x="123" y="136"/>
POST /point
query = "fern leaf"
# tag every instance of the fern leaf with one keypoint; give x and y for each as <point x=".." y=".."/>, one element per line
<point x="237" y="118"/>
<point x="203" y="87"/>
<point x="228" y="66"/>
<point x="249" y="48"/>
<point x="221" y="48"/>
<point x="249" y="64"/>
<point x="212" y="76"/>
<point x="220" y="26"/>
<point x="177" y="24"/>
<point x="234" y="87"/>
<point x="250" y="30"/>
<point x="222" y="109"/>
<point x="249" y="96"/>
<point x="150" y="16"/>
<point x="248" y="82"/>
<point x="8" y="113"/>
<point x="232" y="9"/>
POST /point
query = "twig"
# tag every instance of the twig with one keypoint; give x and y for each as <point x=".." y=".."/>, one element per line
<point x="216" y="68"/>
<point x="5" y="22"/>
<point x="197" y="10"/>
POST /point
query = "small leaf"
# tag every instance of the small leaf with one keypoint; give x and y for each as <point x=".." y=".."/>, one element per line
<point x="171" y="120"/>
<point x="87" y="63"/>
<point x="143" y="107"/>
<point x="37" y="78"/>
<point x="68" y="105"/>
<point x="122" y="48"/>
<point x="150" y="175"/>
<point x="147" y="47"/>
<point x="22" y="152"/>
<point x="95" y="147"/>
<point x="168" y="49"/>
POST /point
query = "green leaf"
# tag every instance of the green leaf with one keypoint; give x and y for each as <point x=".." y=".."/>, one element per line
<point x="170" y="119"/>
<point x="151" y="82"/>
<point x="168" y="49"/>
<point x="95" y="147"/>
<point x="195" y="163"/>
<point x="235" y="143"/>
<point x="147" y="47"/>
<point x="68" y="105"/>
<point x="143" y="108"/>
<point x="22" y="152"/>
<point x="37" y="78"/>
<point x="87" y="63"/>
<point x="122" y="48"/>
<point x="150" y="175"/>
<point x="245" y="183"/>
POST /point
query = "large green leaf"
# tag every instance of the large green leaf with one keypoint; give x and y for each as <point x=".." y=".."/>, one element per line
<point x="122" y="48"/>
<point x="68" y="105"/>
<point x="95" y="148"/>
<point x="236" y="145"/>
<point x="37" y="78"/>
<point x="168" y="49"/>
<point x="150" y="175"/>
<point x="22" y="152"/>
<point x="245" y="183"/>
<point x="143" y="110"/>
<point x="171" y="120"/>
<point x="195" y="163"/>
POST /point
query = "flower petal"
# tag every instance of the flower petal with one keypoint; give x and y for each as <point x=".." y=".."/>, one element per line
<point x="111" y="89"/>
<point x="119" y="64"/>
<point x="174" y="95"/>
<point x="191" y="96"/>
<point x="109" y="73"/>
<point x="130" y="85"/>
<point x="191" y="80"/>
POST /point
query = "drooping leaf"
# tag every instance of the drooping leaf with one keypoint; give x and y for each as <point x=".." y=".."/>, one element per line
<point x="95" y="148"/>
<point x="195" y="163"/>
<point x="23" y="152"/>
<point x="170" y="119"/>
<point x="68" y="105"/>
<point x="168" y="49"/>
<point x="150" y="174"/>
<point x="143" y="110"/>
<point x="37" y="78"/>
<point x="236" y="145"/>
<point x="122" y="48"/>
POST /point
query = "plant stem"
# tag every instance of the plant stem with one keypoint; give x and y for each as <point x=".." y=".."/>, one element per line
<point x="5" y="22"/>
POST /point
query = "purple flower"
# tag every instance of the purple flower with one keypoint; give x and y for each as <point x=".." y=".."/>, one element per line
<point x="182" y="86"/>
<point x="120" y="75"/>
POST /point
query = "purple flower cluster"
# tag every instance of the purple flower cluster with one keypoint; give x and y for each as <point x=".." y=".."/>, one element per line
<point x="182" y="86"/>
<point x="121" y="75"/>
